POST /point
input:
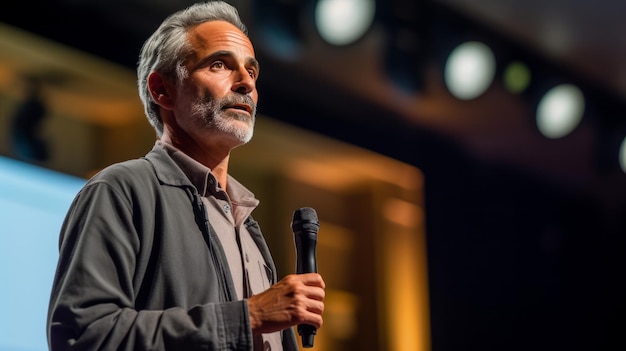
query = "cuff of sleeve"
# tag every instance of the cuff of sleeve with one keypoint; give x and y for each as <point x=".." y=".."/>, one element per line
<point x="235" y="329"/>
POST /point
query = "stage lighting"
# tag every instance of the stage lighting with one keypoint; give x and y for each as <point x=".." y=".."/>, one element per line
<point x="469" y="70"/>
<point x="516" y="77"/>
<point x="342" y="22"/>
<point x="560" y="111"/>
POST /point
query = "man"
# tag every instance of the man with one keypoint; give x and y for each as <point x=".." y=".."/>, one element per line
<point x="161" y="253"/>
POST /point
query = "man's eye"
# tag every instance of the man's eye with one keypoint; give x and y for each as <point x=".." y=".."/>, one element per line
<point x="252" y="73"/>
<point x="217" y="65"/>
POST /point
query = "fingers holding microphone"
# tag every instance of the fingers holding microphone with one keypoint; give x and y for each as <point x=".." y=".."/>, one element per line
<point x="295" y="299"/>
<point x="308" y="296"/>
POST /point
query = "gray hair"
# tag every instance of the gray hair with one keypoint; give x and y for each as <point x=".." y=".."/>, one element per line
<point x="167" y="48"/>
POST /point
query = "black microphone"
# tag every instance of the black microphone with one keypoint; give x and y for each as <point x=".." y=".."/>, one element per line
<point x="305" y="226"/>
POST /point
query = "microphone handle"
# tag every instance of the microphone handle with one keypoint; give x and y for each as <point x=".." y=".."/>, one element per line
<point x="306" y="243"/>
<point x="305" y="226"/>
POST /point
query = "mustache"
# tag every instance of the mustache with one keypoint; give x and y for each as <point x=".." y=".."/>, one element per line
<point x="235" y="99"/>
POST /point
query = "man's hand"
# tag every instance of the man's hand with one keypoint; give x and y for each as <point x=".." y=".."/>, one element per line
<point x="295" y="299"/>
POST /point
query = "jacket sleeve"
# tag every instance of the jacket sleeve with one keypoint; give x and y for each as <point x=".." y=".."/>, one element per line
<point x="92" y="304"/>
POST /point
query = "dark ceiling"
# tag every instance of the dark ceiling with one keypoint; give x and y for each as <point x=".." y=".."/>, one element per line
<point x="587" y="36"/>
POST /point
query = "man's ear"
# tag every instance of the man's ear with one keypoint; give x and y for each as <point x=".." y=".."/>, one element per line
<point x="160" y="90"/>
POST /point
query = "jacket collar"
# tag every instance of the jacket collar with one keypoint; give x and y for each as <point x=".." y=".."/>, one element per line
<point x="166" y="170"/>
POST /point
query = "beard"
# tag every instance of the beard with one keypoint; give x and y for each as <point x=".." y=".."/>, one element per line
<point x="210" y="113"/>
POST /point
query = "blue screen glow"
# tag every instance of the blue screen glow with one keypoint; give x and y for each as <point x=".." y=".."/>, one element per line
<point x="33" y="204"/>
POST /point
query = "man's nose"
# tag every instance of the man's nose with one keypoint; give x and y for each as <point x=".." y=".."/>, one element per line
<point x="244" y="83"/>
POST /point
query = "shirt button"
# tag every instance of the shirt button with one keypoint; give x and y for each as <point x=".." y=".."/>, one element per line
<point x="226" y="208"/>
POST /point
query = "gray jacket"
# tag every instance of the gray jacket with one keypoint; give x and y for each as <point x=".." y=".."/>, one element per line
<point x="140" y="267"/>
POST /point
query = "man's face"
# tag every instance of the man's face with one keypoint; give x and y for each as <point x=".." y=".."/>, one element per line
<point x="219" y="96"/>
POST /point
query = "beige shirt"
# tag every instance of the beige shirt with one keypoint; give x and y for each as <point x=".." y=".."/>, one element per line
<point x="227" y="211"/>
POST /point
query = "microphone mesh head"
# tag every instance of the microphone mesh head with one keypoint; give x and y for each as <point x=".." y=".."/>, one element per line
<point x="305" y="218"/>
<point x="305" y="214"/>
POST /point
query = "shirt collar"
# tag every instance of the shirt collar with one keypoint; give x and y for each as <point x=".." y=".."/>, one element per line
<point x="203" y="179"/>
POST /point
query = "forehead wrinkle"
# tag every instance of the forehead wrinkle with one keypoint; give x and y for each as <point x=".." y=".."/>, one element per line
<point x="219" y="35"/>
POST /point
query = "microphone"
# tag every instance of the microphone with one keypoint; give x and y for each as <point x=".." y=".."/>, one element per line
<point x="305" y="226"/>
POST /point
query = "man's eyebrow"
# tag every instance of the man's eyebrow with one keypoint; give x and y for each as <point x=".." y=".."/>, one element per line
<point x="254" y="63"/>
<point x="212" y="57"/>
<point x="225" y="53"/>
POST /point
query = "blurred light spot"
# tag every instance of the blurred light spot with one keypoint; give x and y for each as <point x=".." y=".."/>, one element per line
<point x="469" y="70"/>
<point x="622" y="155"/>
<point x="560" y="111"/>
<point x="341" y="310"/>
<point x="516" y="77"/>
<point x="342" y="22"/>
<point x="403" y="213"/>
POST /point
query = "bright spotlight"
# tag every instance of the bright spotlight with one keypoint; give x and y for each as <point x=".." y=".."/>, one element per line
<point x="469" y="70"/>
<point x="560" y="111"/>
<point x="342" y="22"/>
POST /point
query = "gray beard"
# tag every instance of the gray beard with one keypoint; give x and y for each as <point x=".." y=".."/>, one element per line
<point x="210" y="114"/>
